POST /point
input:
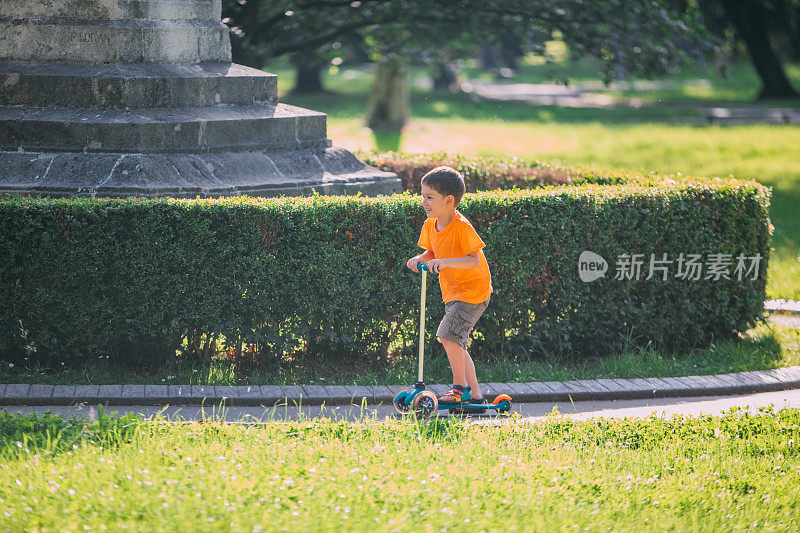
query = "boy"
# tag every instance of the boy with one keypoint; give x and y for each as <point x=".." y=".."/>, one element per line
<point x="454" y="250"/>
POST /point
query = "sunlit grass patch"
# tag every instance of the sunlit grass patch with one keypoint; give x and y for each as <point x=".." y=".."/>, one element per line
<point x="706" y="473"/>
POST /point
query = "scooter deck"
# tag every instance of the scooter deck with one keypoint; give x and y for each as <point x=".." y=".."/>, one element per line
<point x="468" y="406"/>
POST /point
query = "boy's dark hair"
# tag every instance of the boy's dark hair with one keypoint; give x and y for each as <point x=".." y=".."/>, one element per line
<point x="446" y="180"/>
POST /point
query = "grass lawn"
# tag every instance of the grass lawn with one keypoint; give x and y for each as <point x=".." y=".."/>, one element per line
<point x="650" y="138"/>
<point x="737" y="471"/>
<point x="766" y="346"/>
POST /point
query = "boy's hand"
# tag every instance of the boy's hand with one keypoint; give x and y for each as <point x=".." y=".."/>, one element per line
<point x="412" y="263"/>
<point x="436" y="265"/>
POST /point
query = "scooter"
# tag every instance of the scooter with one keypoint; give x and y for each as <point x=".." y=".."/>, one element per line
<point x="424" y="402"/>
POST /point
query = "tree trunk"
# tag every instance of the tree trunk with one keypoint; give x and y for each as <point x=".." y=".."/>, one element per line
<point x="444" y="76"/>
<point x="489" y="57"/>
<point x="511" y="53"/>
<point x="309" y="74"/>
<point x="211" y="338"/>
<point x="389" y="100"/>
<point x="796" y="35"/>
<point x="747" y="17"/>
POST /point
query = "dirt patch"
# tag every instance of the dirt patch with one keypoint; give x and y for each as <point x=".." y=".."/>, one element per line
<point x="426" y="136"/>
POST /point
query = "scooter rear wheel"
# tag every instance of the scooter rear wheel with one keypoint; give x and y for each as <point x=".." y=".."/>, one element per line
<point x="400" y="404"/>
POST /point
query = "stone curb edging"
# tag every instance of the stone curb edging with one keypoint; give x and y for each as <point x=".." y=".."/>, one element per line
<point x="789" y="307"/>
<point x="271" y="395"/>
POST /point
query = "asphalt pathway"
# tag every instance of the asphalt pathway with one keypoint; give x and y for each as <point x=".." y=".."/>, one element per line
<point x="590" y="94"/>
<point x="529" y="412"/>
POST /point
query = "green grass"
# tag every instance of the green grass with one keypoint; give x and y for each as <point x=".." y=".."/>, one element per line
<point x="640" y="139"/>
<point x="766" y="346"/>
<point x="736" y="471"/>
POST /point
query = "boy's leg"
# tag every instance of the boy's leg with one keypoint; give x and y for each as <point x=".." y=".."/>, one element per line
<point x="462" y="366"/>
<point x="455" y="355"/>
<point x="472" y="378"/>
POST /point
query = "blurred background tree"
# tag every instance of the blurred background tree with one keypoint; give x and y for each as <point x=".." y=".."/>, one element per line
<point x="766" y="31"/>
<point x="637" y="37"/>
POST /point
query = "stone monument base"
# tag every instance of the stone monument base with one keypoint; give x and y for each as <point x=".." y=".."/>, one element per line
<point x="139" y="98"/>
<point x="254" y="173"/>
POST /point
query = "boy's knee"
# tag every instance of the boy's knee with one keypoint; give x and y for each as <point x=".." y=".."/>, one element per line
<point x="448" y="342"/>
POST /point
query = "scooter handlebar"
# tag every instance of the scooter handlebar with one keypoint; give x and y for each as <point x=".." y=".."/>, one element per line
<point x="423" y="266"/>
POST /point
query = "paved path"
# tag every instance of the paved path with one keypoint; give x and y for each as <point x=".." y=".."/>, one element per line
<point x="539" y="391"/>
<point x="587" y="94"/>
<point x="790" y="307"/>
<point x="531" y="412"/>
<point x="21" y="394"/>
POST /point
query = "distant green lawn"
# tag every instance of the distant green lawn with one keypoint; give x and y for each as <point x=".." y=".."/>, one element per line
<point x="650" y="138"/>
<point x="738" y="471"/>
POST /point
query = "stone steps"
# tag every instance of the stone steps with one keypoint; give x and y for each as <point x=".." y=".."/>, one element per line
<point x="126" y="41"/>
<point x="169" y="130"/>
<point x="254" y="173"/>
<point x="139" y="97"/>
<point x="133" y="85"/>
<point x="169" y="9"/>
<point x="114" y="9"/>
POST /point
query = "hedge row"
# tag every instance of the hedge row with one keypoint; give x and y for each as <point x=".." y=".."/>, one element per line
<point x="489" y="173"/>
<point x="321" y="275"/>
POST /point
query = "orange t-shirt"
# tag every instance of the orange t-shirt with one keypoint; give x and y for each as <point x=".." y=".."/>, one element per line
<point x="459" y="238"/>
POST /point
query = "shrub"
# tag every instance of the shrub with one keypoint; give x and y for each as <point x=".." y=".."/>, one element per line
<point x="321" y="275"/>
<point x="488" y="173"/>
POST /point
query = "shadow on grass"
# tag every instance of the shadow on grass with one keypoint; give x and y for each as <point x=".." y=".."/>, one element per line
<point x="764" y="347"/>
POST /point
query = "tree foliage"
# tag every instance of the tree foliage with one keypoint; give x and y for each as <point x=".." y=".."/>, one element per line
<point x="642" y="35"/>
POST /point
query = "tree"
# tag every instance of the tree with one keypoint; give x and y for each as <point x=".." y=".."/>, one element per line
<point x="640" y="35"/>
<point x="768" y="29"/>
<point x="309" y="67"/>
<point x="749" y="19"/>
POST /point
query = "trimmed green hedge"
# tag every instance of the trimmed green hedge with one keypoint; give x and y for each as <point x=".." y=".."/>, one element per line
<point x="323" y="275"/>
<point x="489" y="173"/>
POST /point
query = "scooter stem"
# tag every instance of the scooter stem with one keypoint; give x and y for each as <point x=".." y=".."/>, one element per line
<point x="422" y="323"/>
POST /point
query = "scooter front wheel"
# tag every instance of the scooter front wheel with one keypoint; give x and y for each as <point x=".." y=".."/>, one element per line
<point x="425" y="404"/>
<point x="502" y="403"/>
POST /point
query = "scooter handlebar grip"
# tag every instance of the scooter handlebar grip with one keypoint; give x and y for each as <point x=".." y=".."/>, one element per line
<point x="423" y="266"/>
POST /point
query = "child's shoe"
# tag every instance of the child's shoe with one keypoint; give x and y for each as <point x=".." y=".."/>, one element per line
<point x="455" y="396"/>
<point x="471" y="410"/>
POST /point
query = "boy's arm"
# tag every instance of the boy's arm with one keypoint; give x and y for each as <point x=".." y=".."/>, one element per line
<point x="469" y="242"/>
<point x="425" y="256"/>
<point x="468" y="261"/>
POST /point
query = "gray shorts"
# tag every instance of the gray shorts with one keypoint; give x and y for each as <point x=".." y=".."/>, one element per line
<point x="459" y="319"/>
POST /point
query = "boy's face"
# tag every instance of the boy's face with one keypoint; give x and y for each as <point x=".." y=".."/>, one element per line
<point x="434" y="204"/>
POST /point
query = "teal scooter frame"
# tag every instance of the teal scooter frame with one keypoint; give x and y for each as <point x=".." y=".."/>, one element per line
<point x="422" y="401"/>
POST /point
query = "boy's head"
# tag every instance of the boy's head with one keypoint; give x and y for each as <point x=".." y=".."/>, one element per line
<point x="439" y="185"/>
